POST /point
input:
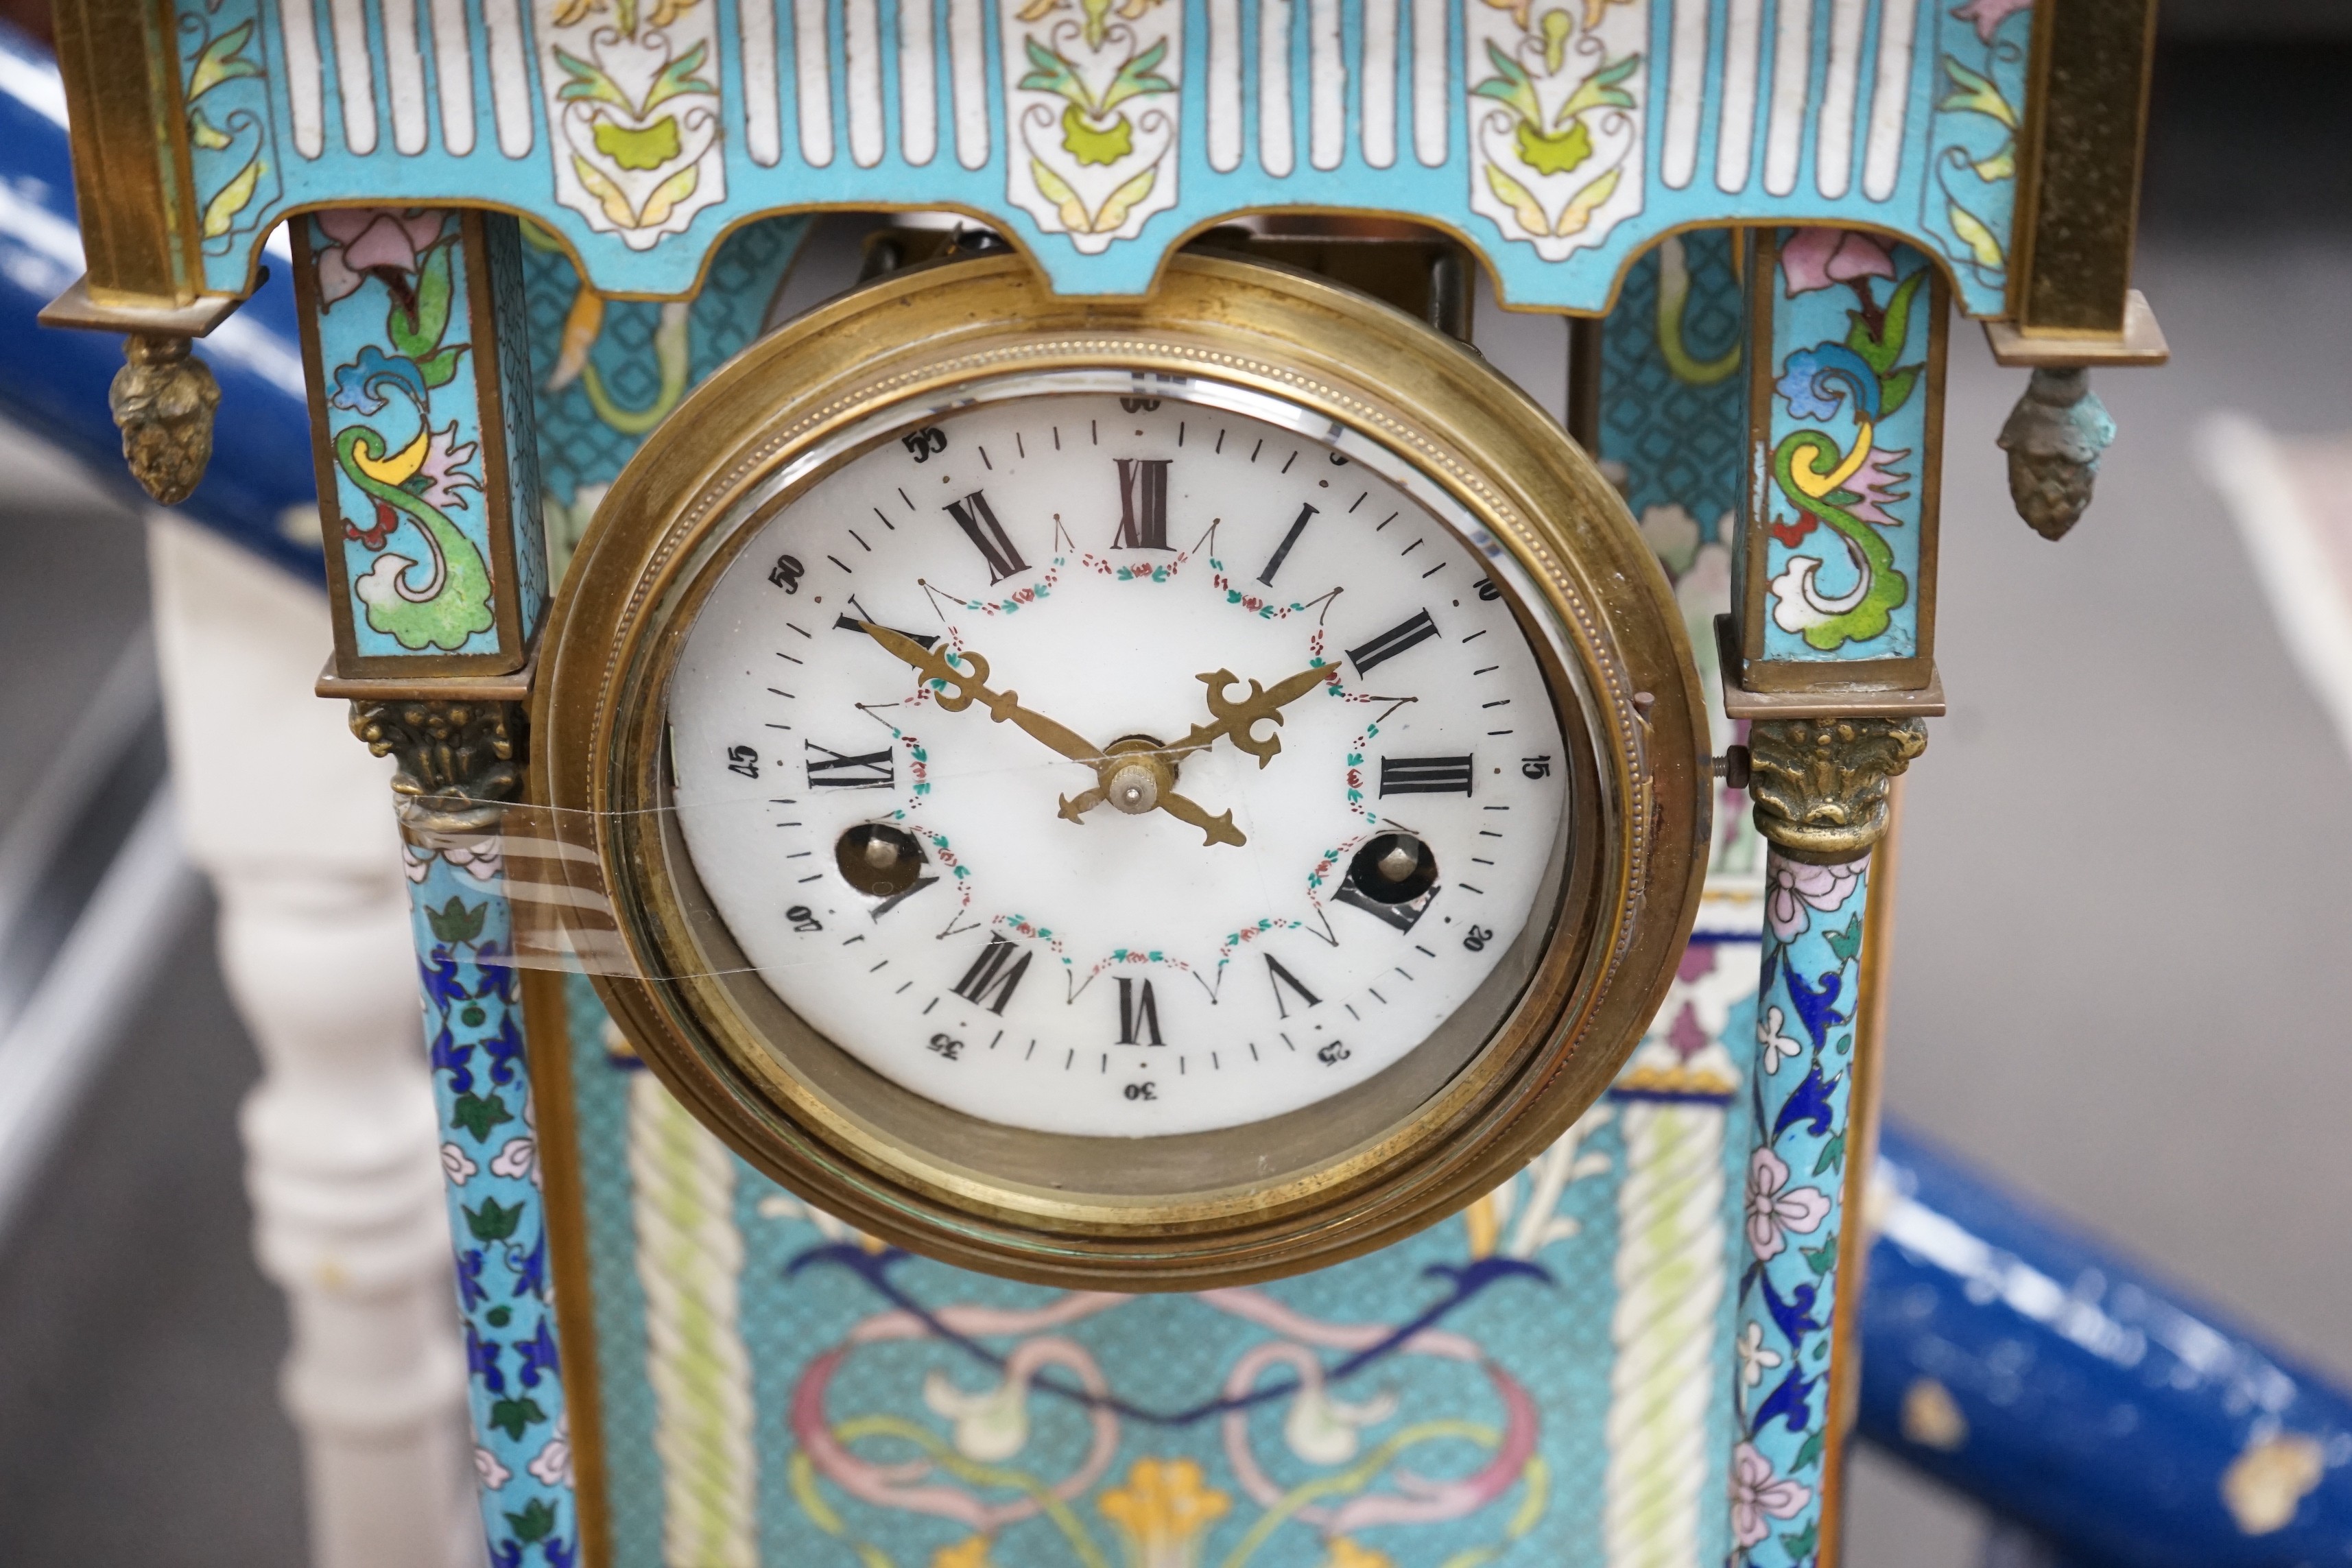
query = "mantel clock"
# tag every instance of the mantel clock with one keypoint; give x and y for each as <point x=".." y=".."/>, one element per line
<point x="1129" y="795"/>
<point x="1192" y="930"/>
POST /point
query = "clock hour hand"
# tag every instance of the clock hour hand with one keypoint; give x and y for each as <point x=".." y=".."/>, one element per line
<point x="959" y="689"/>
<point x="1235" y="717"/>
<point x="1134" y="781"/>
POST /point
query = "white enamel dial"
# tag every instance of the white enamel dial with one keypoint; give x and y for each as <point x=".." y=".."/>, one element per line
<point x="918" y="862"/>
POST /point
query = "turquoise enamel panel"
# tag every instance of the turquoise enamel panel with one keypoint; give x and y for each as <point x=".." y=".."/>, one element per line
<point x="1559" y="139"/>
<point x="1844" y="463"/>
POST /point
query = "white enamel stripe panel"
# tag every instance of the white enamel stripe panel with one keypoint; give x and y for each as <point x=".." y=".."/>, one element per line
<point x="862" y="48"/>
<point x="355" y="74"/>
<point x="1225" y="85"/>
<point x="813" y="81"/>
<point x="404" y="75"/>
<point x="1432" y="104"/>
<point x="1833" y="150"/>
<point x="1327" y="122"/>
<point x="1743" y="56"/>
<point x="1380" y="84"/>
<point x="453" y="71"/>
<point x="968" y="75"/>
<point x="1275" y="153"/>
<point x="306" y="94"/>
<point x="1685" y="93"/>
<point x="1792" y="70"/>
<point x="1890" y="101"/>
<point x="510" y="107"/>
<point x="763" y="128"/>
<point x="918" y="87"/>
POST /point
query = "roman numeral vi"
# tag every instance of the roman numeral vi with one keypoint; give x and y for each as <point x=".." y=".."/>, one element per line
<point x="1138" y="1013"/>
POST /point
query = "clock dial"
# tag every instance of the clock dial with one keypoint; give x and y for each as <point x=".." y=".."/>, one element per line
<point x="1115" y="767"/>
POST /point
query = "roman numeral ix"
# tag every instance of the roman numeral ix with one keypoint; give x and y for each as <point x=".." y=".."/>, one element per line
<point x="978" y="521"/>
<point x="1392" y="642"/>
<point x="835" y="770"/>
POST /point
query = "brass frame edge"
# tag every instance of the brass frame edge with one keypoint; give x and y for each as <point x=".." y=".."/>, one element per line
<point x="514" y="688"/>
<point x="547" y="1046"/>
<point x="2140" y="343"/>
<point x="2092" y="218"/>
<point x="75" y="311"/>
<point x="1821" y="702"/>
<point x="134" y="183"/>
<point x="1864" y="1094"/>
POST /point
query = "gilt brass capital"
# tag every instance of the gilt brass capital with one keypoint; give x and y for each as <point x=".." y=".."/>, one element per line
<point x="1821" y="784"/>
<point x="455" y="762"/>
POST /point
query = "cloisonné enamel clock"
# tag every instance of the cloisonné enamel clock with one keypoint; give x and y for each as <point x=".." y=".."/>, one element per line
<point x="1139" y="794"/>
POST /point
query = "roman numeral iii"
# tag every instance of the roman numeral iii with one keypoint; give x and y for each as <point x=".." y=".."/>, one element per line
<point x="1425" y="775"/>
<point x="1142" y="504"/>
<point x="994" y="975"/>
<point x="978" y="521"/>
<point x="1392" y="642"/>
<point x="1138" y="1013"/>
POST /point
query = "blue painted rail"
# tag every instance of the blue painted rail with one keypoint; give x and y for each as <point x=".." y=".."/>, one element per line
<point x="2061" y="1383"/>
<point x="259" y="489"/>
<point x="2055" y="1381"/>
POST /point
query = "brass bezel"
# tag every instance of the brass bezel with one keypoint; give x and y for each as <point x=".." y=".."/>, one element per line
<point x="1639" y="835"/>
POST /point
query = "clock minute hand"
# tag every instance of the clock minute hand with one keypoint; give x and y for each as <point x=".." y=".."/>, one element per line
<point x="959" y="689"/>
<point x="1233" y="717"/>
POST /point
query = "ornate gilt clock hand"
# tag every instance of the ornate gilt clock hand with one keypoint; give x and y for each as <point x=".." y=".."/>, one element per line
<point x="1233" y="717"/>
<point x="959" y="689"/>
<point x="1134" y="781"/>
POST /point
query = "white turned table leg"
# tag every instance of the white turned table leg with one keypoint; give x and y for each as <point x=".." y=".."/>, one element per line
<point x="291" y="820"/>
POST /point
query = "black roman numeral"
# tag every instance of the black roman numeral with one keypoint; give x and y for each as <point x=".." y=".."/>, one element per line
<point x="1281" y="551"/>
<point x="1138" y="1013"/>
<point x="1278" y="977"/>
<point x="872" y="770"/>
<point x="1393" y="641"/>
<point x="1425" y="775"/>
<point x="997" y="970"/>
<point x="854" y="624"/>
<point x="974" y="515"/>
<point x="1142" y="504"/>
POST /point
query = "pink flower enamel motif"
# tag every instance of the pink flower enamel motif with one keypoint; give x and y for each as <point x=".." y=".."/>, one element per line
<point x="1987" y="15"/>
<point x="1756" y="1492"/>
<point x="1818" y="258"/>
<point x="1798" y="885"/>
<point x="1775" y="1208"/>
<point x="367" y="239"/>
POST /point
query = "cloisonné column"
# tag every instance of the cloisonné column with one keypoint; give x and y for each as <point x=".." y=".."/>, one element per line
<point x="459" y="766"/>
<point x="1828" y="652"/>
<point x="414" y="339"/>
